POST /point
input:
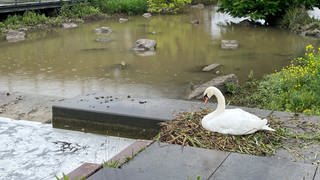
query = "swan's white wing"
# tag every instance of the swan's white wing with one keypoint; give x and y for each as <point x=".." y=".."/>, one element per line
<point x="236" y="122"/>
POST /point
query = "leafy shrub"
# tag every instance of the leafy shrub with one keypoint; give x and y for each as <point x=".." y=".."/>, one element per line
<point x="167" y="6"/>
<point x="121" y="6"/>
<point x="295" y="88"/>
<point x="12" y="21"/>
<point x="269" y="10"/>
<point x="295" y="18"/>
<point x="206" y="2"/>
<point x="31" y="18"/>
<point x="78" y="10"/>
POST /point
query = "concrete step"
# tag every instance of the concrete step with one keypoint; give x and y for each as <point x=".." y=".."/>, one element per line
<point x="128" y="116"/>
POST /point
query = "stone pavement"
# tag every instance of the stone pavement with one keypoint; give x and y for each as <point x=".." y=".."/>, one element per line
<point x="33" y="151"/>
<point x="136" y="117"/>
<point x="173" y="162"/>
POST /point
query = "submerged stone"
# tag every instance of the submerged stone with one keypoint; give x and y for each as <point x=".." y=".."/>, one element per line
<point x="122" y="20"/>
<point x="15" y="36"/>
<point x="147" y="15"/>
<point x="219" y="82"/>
<point x="145" y="44"/>
<point x="229" y="44"/>
<point x="69" y="25"/>
<point x="210" y="67"/>
<point x="103" y="30"/>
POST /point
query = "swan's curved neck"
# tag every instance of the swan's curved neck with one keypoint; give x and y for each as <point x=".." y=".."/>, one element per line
<point x="220" y="107"/>
<point x="221" y="101"/>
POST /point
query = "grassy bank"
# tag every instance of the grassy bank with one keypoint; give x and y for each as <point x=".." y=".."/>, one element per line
<point x="93" y="9"/>
<point x="296" y="88"/>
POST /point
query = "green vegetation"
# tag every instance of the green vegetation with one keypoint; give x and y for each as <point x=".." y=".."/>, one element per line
<point x="121" y="6"/>
<point x="78" y="10"/>
<point x="112" y="164"/>
<point x="295" y="18"/>
<point x="295" y="88"/>
<point x="167" y="6"/>
<point x="205" y="2"/>
<point x="269" y="10"/>
<point x="93" y="8"/>
<point x="29" y="18"/>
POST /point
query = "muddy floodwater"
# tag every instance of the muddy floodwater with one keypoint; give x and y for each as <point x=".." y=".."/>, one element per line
<point x="69" y="62"/>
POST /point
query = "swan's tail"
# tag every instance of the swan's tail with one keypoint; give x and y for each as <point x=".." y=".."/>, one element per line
<point x="266" y="127"/>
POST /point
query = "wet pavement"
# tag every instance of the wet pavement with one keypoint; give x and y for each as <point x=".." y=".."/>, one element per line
<point x="31" y="150"/>
<point x="174" y="162"/>
<point x="32" y="107"/>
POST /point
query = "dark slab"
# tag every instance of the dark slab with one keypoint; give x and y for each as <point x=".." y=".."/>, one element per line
<point x="317" y="176"/>
<point x="239" y="166"/>
<point x="170" y="162"/>
<point x="121" y="116"/>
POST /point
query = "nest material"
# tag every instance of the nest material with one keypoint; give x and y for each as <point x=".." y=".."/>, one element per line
<point x="186" y="130"/>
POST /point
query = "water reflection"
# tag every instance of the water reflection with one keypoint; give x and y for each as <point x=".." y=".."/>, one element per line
<point x="71" y="62"/>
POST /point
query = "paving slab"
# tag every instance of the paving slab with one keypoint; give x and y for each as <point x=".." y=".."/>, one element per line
<point x="127" y="116"/>
<point x="240" y="166"/>
<point x="317" y="177"/>
<point x="170" y="162"/>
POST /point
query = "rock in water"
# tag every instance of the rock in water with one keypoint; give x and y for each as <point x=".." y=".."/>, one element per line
<point x="69" y="25"/>
<point x="122" y="20"/>
<point x="147" y="15"/>
<point x="229" y="44"/>
<point x="210" y="67"/>
<point x="103" y="30"/>
<point x="15" y="36"/>
<point x="145" y="44"/>
<point x="219" y="82"/>
<point x="196" y="21"/>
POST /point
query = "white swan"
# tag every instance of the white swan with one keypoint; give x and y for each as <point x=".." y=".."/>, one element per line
<point x="230" y="121"/>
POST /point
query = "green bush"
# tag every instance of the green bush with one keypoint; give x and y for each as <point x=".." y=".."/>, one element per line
<point x="167" y="6"/>
<point x="206" y="2"/>
<point x="121" y="6"/>
<point x="295" y="88"/>
<point x="270" y="10"/>
<point x="79" y="10"/>
<point x="12" y="21"/>
<point x="295" y="18"/>
<point x="31" y="18"/>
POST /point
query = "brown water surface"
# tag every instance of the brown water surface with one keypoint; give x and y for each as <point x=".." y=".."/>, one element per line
<point x="69" y="62"/>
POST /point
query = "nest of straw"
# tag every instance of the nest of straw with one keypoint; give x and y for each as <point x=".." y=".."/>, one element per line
<point x="186" y="130"/>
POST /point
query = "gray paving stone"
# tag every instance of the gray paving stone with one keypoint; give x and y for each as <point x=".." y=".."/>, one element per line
<point x="239" y="166"/>
<point x="170" y="162"/>
<point x="317" y="177"/>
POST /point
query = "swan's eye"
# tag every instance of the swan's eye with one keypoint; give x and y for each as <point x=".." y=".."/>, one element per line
<point x="205" y="96"/>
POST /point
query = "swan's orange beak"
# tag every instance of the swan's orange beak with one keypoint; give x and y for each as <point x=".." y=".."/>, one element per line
<point x="205" y="99"/>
